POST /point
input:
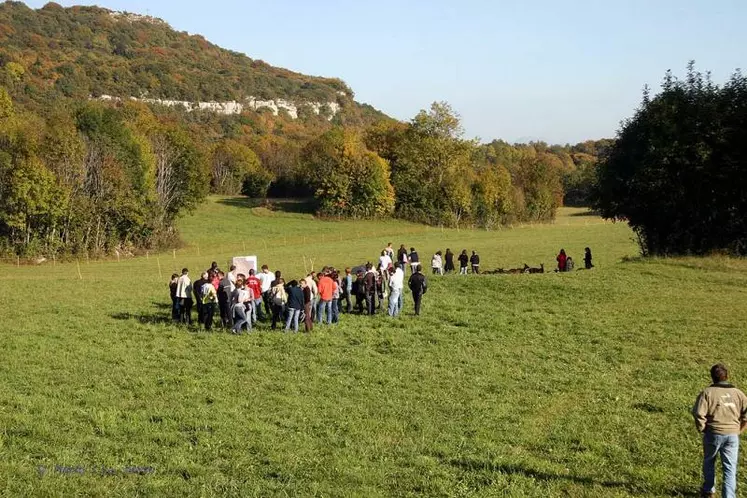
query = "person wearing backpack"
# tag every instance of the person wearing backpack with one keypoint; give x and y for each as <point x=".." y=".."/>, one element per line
<point x="209" y="302"/>
<point x="418" y="286"/>
<point x="279" y="298"/>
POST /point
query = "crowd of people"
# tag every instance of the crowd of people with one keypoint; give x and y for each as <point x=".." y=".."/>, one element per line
<point x="242" y="301"/>
<point x="239" y="302"/>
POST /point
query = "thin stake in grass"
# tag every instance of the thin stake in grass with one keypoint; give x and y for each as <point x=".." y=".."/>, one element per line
<point x="160" y="275"/>
<point x="80" y="275"/>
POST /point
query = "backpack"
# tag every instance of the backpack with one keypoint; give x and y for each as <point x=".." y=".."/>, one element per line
<point x="279" y="297"/>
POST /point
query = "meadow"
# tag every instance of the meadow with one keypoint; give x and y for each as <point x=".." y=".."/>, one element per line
<point x="574" y="384"/>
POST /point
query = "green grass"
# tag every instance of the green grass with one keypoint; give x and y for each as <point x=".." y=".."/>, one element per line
<point x="525" y="385"/>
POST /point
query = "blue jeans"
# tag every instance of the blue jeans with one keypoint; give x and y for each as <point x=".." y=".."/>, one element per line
<point x="335" y="310"/>
<point x="320" y="309"/>
<point x="257" y="313"/>
<point x="727" y="447"/>
<point x="395" y="298"/>
<point x="293" y="316"/>
<point x="240" y="319"/>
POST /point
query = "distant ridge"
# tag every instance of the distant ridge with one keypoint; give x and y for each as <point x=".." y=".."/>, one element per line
<point x="86" y="52"/>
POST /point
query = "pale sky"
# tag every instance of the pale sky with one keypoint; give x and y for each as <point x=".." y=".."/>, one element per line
<point x="559" y="71"/>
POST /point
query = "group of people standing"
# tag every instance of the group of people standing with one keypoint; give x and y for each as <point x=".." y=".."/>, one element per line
<point x="244" y="300"/>
<point x="565" y="262"/>
<point x="440" y="263"/>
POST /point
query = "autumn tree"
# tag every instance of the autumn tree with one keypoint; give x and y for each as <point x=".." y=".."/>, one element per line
<point x="348" y="179"/>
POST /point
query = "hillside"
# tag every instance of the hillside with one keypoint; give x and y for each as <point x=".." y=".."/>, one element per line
<point x="83" y="52"/>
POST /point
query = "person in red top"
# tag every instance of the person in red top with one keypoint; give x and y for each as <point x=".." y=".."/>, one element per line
<point x="253" y="283"/>
<point x="562" y="259"/>
<point x="326" y="288"/>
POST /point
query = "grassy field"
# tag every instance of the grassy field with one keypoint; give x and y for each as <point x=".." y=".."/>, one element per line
<point x="575" y="384"/>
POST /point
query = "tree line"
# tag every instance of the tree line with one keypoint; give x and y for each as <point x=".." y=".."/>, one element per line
<point x="98" y="177"/>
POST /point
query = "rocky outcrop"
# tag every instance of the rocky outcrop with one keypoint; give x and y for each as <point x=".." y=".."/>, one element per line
<point x="329" y="109"/>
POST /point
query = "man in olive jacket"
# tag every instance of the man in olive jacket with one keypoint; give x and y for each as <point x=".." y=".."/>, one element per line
<point x="720" y="414"/>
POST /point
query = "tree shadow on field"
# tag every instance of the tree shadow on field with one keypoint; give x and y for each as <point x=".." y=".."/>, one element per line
<point x="517" y="469"/>
<point x="296" y="206"/>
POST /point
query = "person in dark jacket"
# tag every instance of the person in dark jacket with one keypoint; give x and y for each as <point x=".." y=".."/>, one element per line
<point x="475" y="262"/>
<point x="224" y="300"/>
<point x="174" y="301"/>
<point x="414" y="259"/>
<point x="197" y="290"/>
<point x="370" y="285"/>
<point x="308" y="323"/>
<point x="463" y="261"/>
<point x="359" y="291"/>
<point x="418" y="285"/>
<point x="295" y="305"/>
<point x="402" y="256"/>
<point x="587" y="259"/>
<point x="449" y="261"/>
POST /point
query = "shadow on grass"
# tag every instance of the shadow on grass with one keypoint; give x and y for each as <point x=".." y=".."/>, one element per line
<point x="151" y="319"/>
<point x="297" y="206"/>
<point x="590" y="212"/>
<point x="515" y="469"/>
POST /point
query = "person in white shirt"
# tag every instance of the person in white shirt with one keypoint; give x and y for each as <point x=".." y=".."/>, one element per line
<point x="232" y="277"/>
<point x="240" y="298"/>
<point x="436" y="262"/>
<point x="385" y="262"/>
<point x="389" y="250"/>
<point x="265" y="280"/>
<point x="184" y="295"/>
<point x="396" y="284"/>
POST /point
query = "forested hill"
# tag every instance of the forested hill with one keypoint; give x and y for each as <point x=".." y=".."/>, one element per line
<point x="83" y="52"/>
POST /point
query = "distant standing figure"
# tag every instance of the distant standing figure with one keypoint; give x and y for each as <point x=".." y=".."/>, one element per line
<point x="569" y="264"/>
<point x="436" y="263"/>
<point x="197" y="290"/>
<point x="359" y="291"/>
<point x="278" y="297"/>
<point x="463" y="261"/>
<point x="449" y="261"/>
<point x="184" y="294"/>
<point x="308" y="323"/>
<point x="209" y="302"/>
<point x="174" y="300"/>
<point x="389" y="251"/>
<point x="295" y="305"/>
<point x="396" y="284"/>
<point x="402" y="256"/>
<point x="561" y="259"/>
<point x="587" y="259"/>
<point x="369" y="284"/>
<point x="475" y="262"/>
<point x="720" y="414"/>
<point x="414" y="259"/>
<point x="418" y="285"/>
<point x="347" y="291"/>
